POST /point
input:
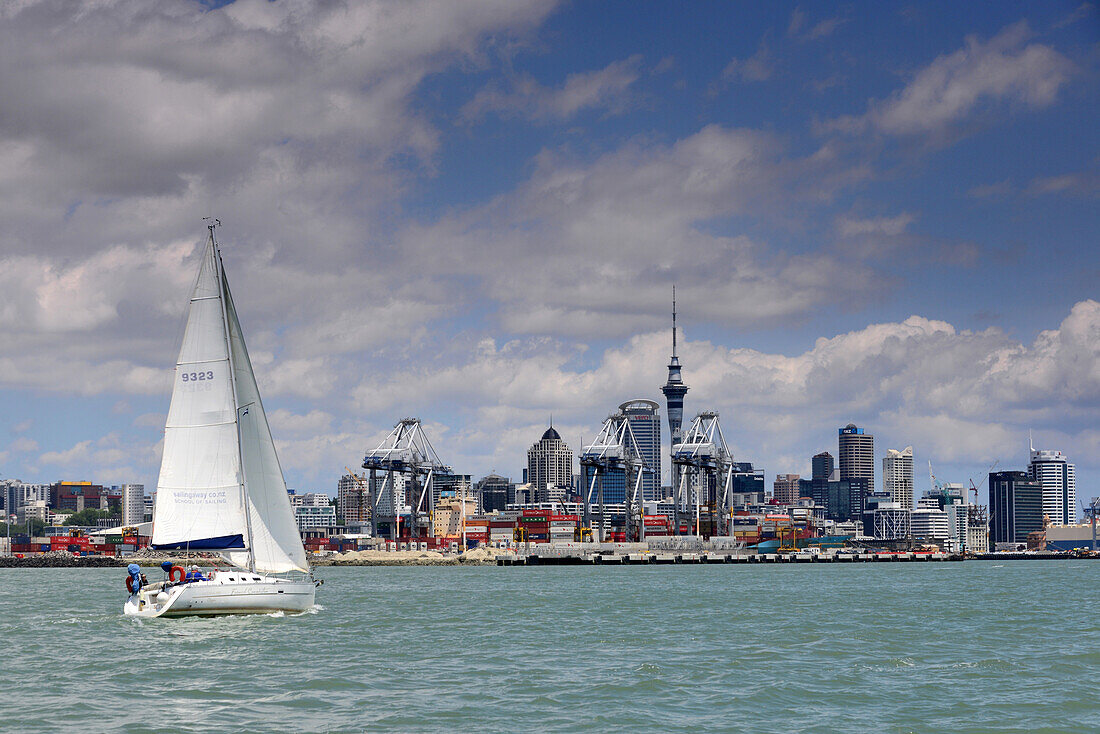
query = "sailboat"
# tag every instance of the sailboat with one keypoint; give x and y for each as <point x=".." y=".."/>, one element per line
<point x="221" y="487"/>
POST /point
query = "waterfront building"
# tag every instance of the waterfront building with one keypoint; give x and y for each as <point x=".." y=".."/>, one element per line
<point x="35" y="510"/>
<point x="494" y="492"/>
<point x="928" y="522"/>
<point x="856" y="457"/>
<point x="844" y="499"/>
<point x="644" y="417"/>
<point x="314" y="516"/>
<point x="871" y="502"/>
<point x="309" y="499"/>
<point x="786" y="489"/>
<point x="449" y="486"/>
<point x="890" y="521"/>
<point x="977" y="536"/>
<point x="1059" y="480"/>
<point x="448" y="515"/>
<point x="133" y="504"/>
<point x="549" y="463"/>
<point x="897" y="475"/>
<point x="952" y="499"/>
<point x="821" y="470"/>
<point x="747" y="482"/>
<point x="353" y="499"/>
<point x="389" y="495"/>
<point x="77" y="496"/>
<point x="1015" y="507"/>
<point x="26" y="493"/>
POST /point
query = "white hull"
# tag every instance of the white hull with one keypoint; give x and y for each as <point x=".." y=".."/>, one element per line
<point x="228" y="592"/>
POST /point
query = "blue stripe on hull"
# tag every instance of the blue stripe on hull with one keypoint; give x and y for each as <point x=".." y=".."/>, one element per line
<point x="223" y="542"/>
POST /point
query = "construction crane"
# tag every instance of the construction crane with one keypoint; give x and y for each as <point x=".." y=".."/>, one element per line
<point x="703" y="455"/>
<point x="407" y="451"/>
<point x="615" y="449"/>
<point x="975" y="487"/>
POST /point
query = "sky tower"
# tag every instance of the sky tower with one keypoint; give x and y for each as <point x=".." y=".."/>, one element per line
<point x="674" y="389"/>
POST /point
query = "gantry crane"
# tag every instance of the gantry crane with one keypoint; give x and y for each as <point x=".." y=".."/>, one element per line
<point x="615" y="449"/>
<point x="406" y="451"/>
<point x="702" y="455"/>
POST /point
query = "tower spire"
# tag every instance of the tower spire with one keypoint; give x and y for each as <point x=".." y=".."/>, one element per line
<point x="674" y="321"/>
<point x="674" y="389"/>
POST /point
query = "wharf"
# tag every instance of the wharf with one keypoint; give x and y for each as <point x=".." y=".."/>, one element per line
<point x="574" y="557"/>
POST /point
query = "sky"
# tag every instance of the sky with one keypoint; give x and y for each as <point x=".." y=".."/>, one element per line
<point x="475" y="213"/>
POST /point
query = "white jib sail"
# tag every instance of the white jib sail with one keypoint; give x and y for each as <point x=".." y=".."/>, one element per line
<point x="276" y="543"/>
<point x="199" y="501"/>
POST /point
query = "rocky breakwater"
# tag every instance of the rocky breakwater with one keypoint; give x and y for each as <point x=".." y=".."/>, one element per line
<point x="475" y="557"/>
<point x="61" y="559"/>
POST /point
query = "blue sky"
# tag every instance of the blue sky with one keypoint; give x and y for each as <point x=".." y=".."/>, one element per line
<point x="475" y="212"/>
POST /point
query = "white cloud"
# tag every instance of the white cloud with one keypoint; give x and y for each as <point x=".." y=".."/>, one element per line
<point x="959" y="395"/>
<point x="889" y="226"/>
<point x="797" y="27"/>
<point x="594" y="247"/>
<point x="1006" y="69"/>
<point x="756" y="68"/>
<point x="607" y="89"/>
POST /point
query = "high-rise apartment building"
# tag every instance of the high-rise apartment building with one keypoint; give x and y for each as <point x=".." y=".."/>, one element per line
<point x="785" y="489"/>
<point x="856" y="457"/>
<point x="897" y="475"/>
<point x="353" y="499"/>
<point x="1059" y="479"/>
<point x="1015" y="507"/>
<point x="549" y="464"/>
<point x="133" y="504"/>
<point x="644" y="417"/>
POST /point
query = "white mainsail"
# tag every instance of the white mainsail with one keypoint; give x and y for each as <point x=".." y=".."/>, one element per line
<point x="221" y="487"/>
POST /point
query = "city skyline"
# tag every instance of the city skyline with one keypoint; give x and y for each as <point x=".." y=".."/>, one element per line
<point x="477" y="217"/>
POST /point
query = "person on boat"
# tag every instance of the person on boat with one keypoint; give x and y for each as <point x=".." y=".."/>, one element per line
<point x="137" y="578"/>
<point x="167" y="568"/>
<point x="194" y="574"/>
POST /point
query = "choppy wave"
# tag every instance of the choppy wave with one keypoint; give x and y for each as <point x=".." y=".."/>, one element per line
<point x="893" y="647"/>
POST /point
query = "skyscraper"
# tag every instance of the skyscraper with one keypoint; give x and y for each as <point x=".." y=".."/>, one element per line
<point x="821" y="471"/>
<point x="897" y="475"/>
<point x="644" y="418"/>
<point x="493" y="492"/>
<point x="549" y="464"/>
<point x="1059" y="480"/>
<point x="1015" y="507"/>
<point x="857" y="454"/>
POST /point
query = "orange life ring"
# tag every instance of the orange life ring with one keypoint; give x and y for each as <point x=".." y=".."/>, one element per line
<point x="176" y="574"/>
<point x="130" y="584"/>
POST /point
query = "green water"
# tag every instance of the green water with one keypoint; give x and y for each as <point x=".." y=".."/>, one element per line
<point x="939" y="647"/>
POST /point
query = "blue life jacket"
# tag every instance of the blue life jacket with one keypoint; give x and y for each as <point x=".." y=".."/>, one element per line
<point x="135" y="575"/>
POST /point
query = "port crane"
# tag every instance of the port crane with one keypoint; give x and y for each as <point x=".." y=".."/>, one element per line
<point x="702" y="460"/>
<point x="406" y="451"/>
<point x="615" y="449"/>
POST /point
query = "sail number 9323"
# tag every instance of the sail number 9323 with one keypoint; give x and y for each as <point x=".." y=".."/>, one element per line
<point x="197" y="376"/>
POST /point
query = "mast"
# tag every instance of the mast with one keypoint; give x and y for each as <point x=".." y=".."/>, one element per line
<point x="236" y="401"/>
